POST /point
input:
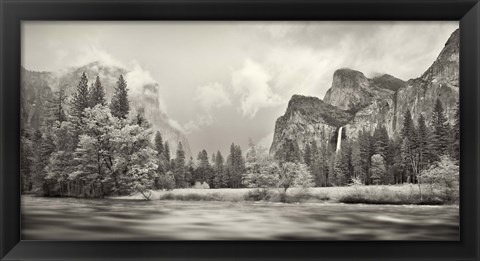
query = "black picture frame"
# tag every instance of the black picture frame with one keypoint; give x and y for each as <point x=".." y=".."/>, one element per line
<point x="12" y="12"/>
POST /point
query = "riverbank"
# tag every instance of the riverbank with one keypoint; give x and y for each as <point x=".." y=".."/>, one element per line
<point x="405" y="194"/>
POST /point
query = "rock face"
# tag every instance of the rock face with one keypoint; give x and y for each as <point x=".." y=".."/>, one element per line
<point x="370" y="102"/>
<point x="38" y="87"/>
<point x="307" y="119"/>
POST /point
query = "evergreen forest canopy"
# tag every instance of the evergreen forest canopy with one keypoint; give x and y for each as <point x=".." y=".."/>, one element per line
<point x="89" y="147"/>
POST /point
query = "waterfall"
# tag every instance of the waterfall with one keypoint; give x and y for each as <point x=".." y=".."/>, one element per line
<point x="339" y="139"/>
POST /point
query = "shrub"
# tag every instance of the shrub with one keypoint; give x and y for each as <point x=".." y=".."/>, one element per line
<point x="191" y="197"/>
<point x="371" y="195"/>
<point x="199" y="185"/>
<point x="257" y="195"/>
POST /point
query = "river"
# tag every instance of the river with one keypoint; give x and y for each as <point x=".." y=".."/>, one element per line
<point x="118" y="219"/>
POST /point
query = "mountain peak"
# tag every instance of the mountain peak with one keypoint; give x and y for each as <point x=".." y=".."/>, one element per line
<point x="389" y="82"/>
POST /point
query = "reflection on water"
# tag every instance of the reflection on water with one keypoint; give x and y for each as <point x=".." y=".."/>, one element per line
<point x="114" y="219"/>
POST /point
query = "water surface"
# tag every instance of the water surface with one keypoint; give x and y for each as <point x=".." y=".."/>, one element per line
<point x="117" y="219"/>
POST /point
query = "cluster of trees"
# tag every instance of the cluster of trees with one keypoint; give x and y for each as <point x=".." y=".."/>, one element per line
<point x="88" y="147"/>
<point x="215" y="172"/>
<point x="376" y="158"/>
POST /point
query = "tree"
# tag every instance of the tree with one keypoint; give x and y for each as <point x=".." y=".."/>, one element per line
<point x="62" y="160"/>
<point x="162" y="160"/>
<point x="134" y="160"/>
<point x="444" y="176"/>
<point x="95" y="155"/>
<point x="26" y="161"/>
<point x="261" y="171"/>
<point x="235" y="166"/>
<point x="204" y="171"/>
<point x="140" y="119"/>
<point x="120" y="105"/>
<point x="159" y="143"/>
<point x="410" y="146"/>
<point x="57" y="107"/>
<point x="307" y="156"/>
<point x="221" y="177"/>
<point x="456" y="135"/>
<point x="97" y="93"/>
<point x="357" y="163"/>
<point x="81" y="99"/>
<point x="408" y="130"/>
<point x="381" y="140"/>
<point x="167" y="151"/>
<point x="377" y="170"/>
<point x="440" y="139"/>
<point x="43" y="147"/>
<point x="422" y="143"/>
<point x="342" y="165"/>
<point x="289" y="174"/>
<point x="179" y="169"/>
<point x="365" y="152"/>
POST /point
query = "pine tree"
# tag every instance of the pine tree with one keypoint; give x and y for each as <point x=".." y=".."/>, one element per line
<point x="221" y="178"/>
<point x="97" y="93"/>
<point x="203" y="172"/>
<point x="307" y="156"/>
<point x="141" y="120"/>
<point x="159" y="143"/>
<point x="57" y="108"/>
<point x="26" y="161"/>
<point x="81" y="99"/>
<point x="235" y="166"/>
<point x="342" y="165"/>
<point x="440" y="137"/>
<point x="422" y="143"/>
<point x="291" y="154"/>
<point x="408" y="130"/>
<point x="213" y="158"/>
<point x="365" y="154"/>
<point x="410" y="146"/>
<point x="380" y="138"/>
<point x="378" y="169"/>
<point x="167" y="151"/>
<point x="119" y="105"/>
<point x="179" y="169"/>
<point x="44" y="146"/>
<point x="456" y="135"/>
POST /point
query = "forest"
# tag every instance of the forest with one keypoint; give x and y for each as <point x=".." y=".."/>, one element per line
<point x="89" y="147"/>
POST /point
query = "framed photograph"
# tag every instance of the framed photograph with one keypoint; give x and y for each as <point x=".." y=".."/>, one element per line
<point x="244" y="130"/>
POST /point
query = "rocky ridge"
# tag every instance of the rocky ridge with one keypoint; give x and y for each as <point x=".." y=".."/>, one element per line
<point x="369" y="102"/>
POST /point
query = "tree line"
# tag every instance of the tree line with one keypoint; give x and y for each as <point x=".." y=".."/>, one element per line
<point x="376" y="158"/>
<point x="88" y="147"/>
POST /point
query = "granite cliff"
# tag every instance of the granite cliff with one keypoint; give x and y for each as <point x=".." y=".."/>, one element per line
<point x="356" y="102"/>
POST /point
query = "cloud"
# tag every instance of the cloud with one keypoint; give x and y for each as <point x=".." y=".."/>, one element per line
<point x="266" y="141"/>
<point x="252" y="84"/>
<point x="212" y="96"/>
<point x="92" y="52"/>
<point x="195" y="125"/>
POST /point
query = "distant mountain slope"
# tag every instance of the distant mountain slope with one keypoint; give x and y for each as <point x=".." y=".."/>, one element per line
<point x="381" y="100"/>
<point x="37" y="88"/>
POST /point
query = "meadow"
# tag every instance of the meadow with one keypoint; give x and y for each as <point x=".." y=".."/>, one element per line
<point x="407" y="194"/>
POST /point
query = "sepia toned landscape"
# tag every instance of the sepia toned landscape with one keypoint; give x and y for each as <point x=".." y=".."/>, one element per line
<point x="255" y="131"/>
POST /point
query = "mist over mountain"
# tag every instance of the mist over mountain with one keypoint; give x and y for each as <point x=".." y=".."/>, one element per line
<point x="357" y="102"/>
<point x="38" y="87"/>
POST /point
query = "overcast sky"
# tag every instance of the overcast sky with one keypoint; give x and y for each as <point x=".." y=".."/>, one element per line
<point x="224" y="82"/>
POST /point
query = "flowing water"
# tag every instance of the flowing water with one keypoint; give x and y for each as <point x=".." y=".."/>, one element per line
<point x="115" y="219"/>
<point x="339" y="139"/>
